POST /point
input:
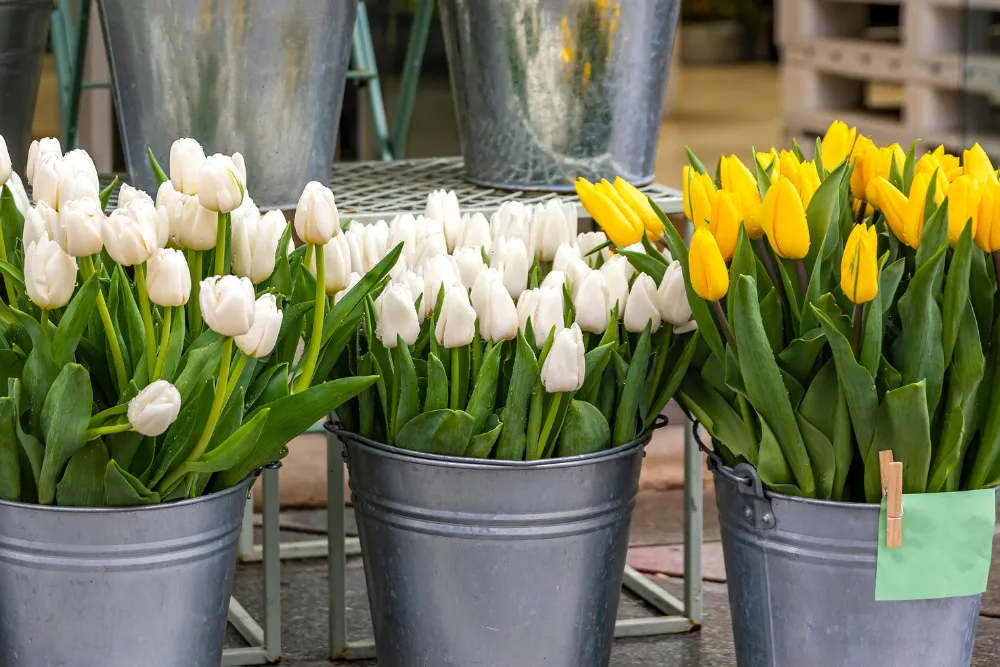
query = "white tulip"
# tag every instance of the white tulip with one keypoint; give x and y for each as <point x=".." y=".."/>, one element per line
<point x="376" y="239"/>
<point x="636" y="247"/>
<point x="553" y="224"/>
<point x="129" y="238"/>
<point x="587" y="241"/>
<point x="440" y="271"/>
<point x="475" y="231"/>
<point x="494" y="308"/>
<point x="576" y="271"/>
<point x="221" y="184"/>
<point x="617" y="271"/>
<point x="187" y="157"/>
<point x="667" y="256"/>
<point x="21" y="200"/>
<point x="430" y="241"/>
<point x="641" y="307"/>
<point x="456" y="323"/>
<point x="191" y="225"/>
<point x="41" y="151"/>
<point x="399" y="267"/>
<point x="79" y="163"/>
<point x="415" y="283"/>
<point x="227" y="304"/>
<point x="316" y="217"/>
<point x="45" y="179"/>
<point x="255" y="244"/>
<point x="168" y="278"/>
<point x="565" y="367"/>
<point x="396" y="316"/>
<point x="512" y="220"/>
<point x="40" y="221"/>
<point x="673" y="302"/>
<point x="155" y="408"/>
<point x="544" y="307"/>
<point x="443" y="206"/>
<point x="555" y="279"/>
<point x="74" y="187"/>
<point x="336" y="264"/>
<point x="355" y="279"/>
<point x="127" y="194"/>
<point x="49" y="274"/>
<point x="356" y="234"/>
<point x="144" y="212"/>
<point x="403" y="229"/>
<point x="527" y="305"/>
<point x="78" y="230"/>
<point x="470" y="261"/>
<point x="564" y="255"/>
<point x="260" y="340"/>
<point x="592" y="303"/>
<point x="511" y="257"/>
<point x="6" y="168"/>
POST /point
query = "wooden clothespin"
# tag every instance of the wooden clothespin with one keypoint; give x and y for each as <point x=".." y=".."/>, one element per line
<point x="892" y="487"/>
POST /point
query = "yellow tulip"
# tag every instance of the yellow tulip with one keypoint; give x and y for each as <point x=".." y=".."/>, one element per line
<point x="988" y="229"/>
<point x="737" y="179"/>
<point x="639" y="203"/>
<point x="604" y="212"/>
<point x="699" y="191"/>
<point x="894" y="206"/>
<point x="978" y="165"/>
<point x="882" y="167"/>
<point x="770" y="162"/>
<point x="709" y="276"/>
<point x="963" y="206"/>
<point x="808" y="182"/>
<point x="913" y="223"/>
<point x="784" y="220"/>
<point x="859" y="265"/>
<point x="837" y="144"/>
<point x="931" y="164"/>
<point x="951" y="164"/>
<point x="725" y="223"/>
<point x="864" y="155"/>
<point x="608" y="190"/>
<point x="789" y="167"/>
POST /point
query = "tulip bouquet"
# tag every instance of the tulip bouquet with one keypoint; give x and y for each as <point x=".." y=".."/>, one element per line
<point x="148" y="354"/>
<point x="513" y="338"/>
<point x="847" y="305"/>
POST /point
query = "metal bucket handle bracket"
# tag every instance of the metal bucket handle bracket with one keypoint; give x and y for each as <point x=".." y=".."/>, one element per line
<point x="756" y="506"/>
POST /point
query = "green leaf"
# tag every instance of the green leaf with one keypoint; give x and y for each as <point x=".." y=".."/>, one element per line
<point x="74" y="322"/>
<point x="717" y="416"/>
<point x="34" y="452"/>
<point x="82" y="485"/>
<point x="408" y="405"/>
<point x="584" y="431"/>
<point x="896" y="175"/>
<point x="908" y="167"/>
<point x="10" y="451"/>
<point x="357" y="294"/>
<point x="982" y="289"/>
<point x="443" y="432"/>
<point x="12" y="273"/>
<point x="125" y="490"/>
<point x="696" y="164"/>
<point x="233" y="449"/>
<point x="765" y="387"/>
<point x="625" y="418"/>
<point x="437" y="385"/>
<point x="277" y="387"/>
<point x="674" y="378"/>
<point x="903" y="427"/>
<point x="822" y="216"/>
<point x="64" y="420"/>
<point x="183" y="434"/>
<point x="934" y="236"/>
<point x="825" y="408"/>
<point x="645" y="264"/>
<point x="199" y="365"/>
<point x="799" y="358"/>
<point x="744" y="263"/>
<point x="596" y="361"/>
<point x="482" y="444"/>
<point x="763" y="180"/>
<point x="771" y="312"/>
<point x="107" y="192"/>
<point x="772" y="466"/>
<point x="821" y="456"/>
<point x="161" y="178"/>
<point x="956" y="291"/>
<point x="513" y="438"/>
<point x="175" y="345"/>
<point x="12" y="224"/>
<point x="483" y="397"/>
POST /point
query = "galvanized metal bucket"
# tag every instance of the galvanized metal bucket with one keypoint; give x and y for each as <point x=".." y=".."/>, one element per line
<point x="262" y="78"/>
<point x="801" y="579"/>
<point x="24" y="26"/>
<point x="499" y="563"/>
<point x="118" y="587"/>
<point x="549" y="90"/>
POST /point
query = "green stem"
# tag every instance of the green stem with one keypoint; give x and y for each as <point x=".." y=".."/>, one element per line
<point x="119" y="409"/>
<point x="307" y="260"/>
<point x="213" y="418"/>
<point x="234" y="377"/>
<point x="856" y="334"/>
<point x="550" y="420"/>
<point x="456" y="374"/>
<point x="800" y="267"/>
<point x="45" y="321"/>
<point x="661" y="364"/>
<point x="8" y="285"/>
<point x="94" y="433"/>
<point x="316" y="339"/>
<point x="220" y="244"/>
<point x="161" y="355"/>
<point x="194" y="302"/>
<point x="109" y="328"/>
<point x="720" y="315"/>
<point x="147" y="318"/>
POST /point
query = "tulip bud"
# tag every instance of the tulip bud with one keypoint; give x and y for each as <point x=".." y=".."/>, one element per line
<point x="950" y="163"/>
<point x="440" y="271"/>
<point x="402" y="229"/>
<point x="475" y="232"/>
<point x="255" y="239"/>
<point x="49" y="274"/>
<point x="639" y="203"/>
<point x="565" y="367"/>
<point x="737" y="179"/>
<point x="544" y="307"/>
<point x="396" y="316"/>
<point x="511" y="220"/>
<point x="260" y="340"/>
<point x="864" y="155"/>
<point x="187" y="157"/>
<point x="641" y="307"/>
<point x="375" y="238"/>
<point x="709" y="275"/>
<point x="129" y="236"/>
<point x="154" y="408"/>
<point x="430" y="241"/>
<point x="415" y="283"/>
<point x="555" y="280"/>
<point x="6" y="168"/>
<point x="978" y="166"/>
<point x="74" y="187"/>
<point x="988" y="229"/>
<point x="564" y="255"/>
<point x="40" y="221"/>
<point x="494" y="307"/>
<point x="443" y="206"/>
<point x="963" y="206"/>
<point x="552" y="225"/>
<point x="671" y="299"/>
<point x="859" y="264"/>
<point x="470" y="262"/>
<point x="725" y="223"/>
<point x="576" y="271"/>
<point x="881" y="166"/>
<point x="699" y="192"/>
<point x="784" y="220"/>
<point x="769" y="161"/>
<point x="617" y="272"/>
<point x="227" y="304"/>
<point x="592" y="302"/>
<point x="355" y="279"/>
<point x="600" y="203"/>
<point x="78" y="231"/>
<point x="316" y="217"/>
<point x="511" y="257"/>
<point x="21" y="200"/>
<point x="127" y="194"/>
<point x="221" y="184"/>
<point x="337" y="264"/>
<point x="40" y="152"/>
<point x="837" y="144"/>
<point x="587" y="241"/>
<point x="190" y="224"/>
<point x="168" y="278"/>
<point x="79" y="163"/>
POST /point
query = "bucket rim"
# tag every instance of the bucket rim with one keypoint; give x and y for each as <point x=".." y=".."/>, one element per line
<point x="774" y="495"/>
<point x="461" y="462"/>
<point x="240" y="487"/>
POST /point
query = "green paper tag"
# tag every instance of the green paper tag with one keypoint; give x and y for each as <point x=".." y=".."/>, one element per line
<point x="947" y="546"/>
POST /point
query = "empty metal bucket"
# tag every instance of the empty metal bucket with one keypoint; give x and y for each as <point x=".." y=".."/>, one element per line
<point x="262" y="78"/>
<point x="493" y="563"/>
<point x="801" y="578"/>
<point x="118" y="587"/>
<point x="549" y="90"/>
<point x="24" y="26"/>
